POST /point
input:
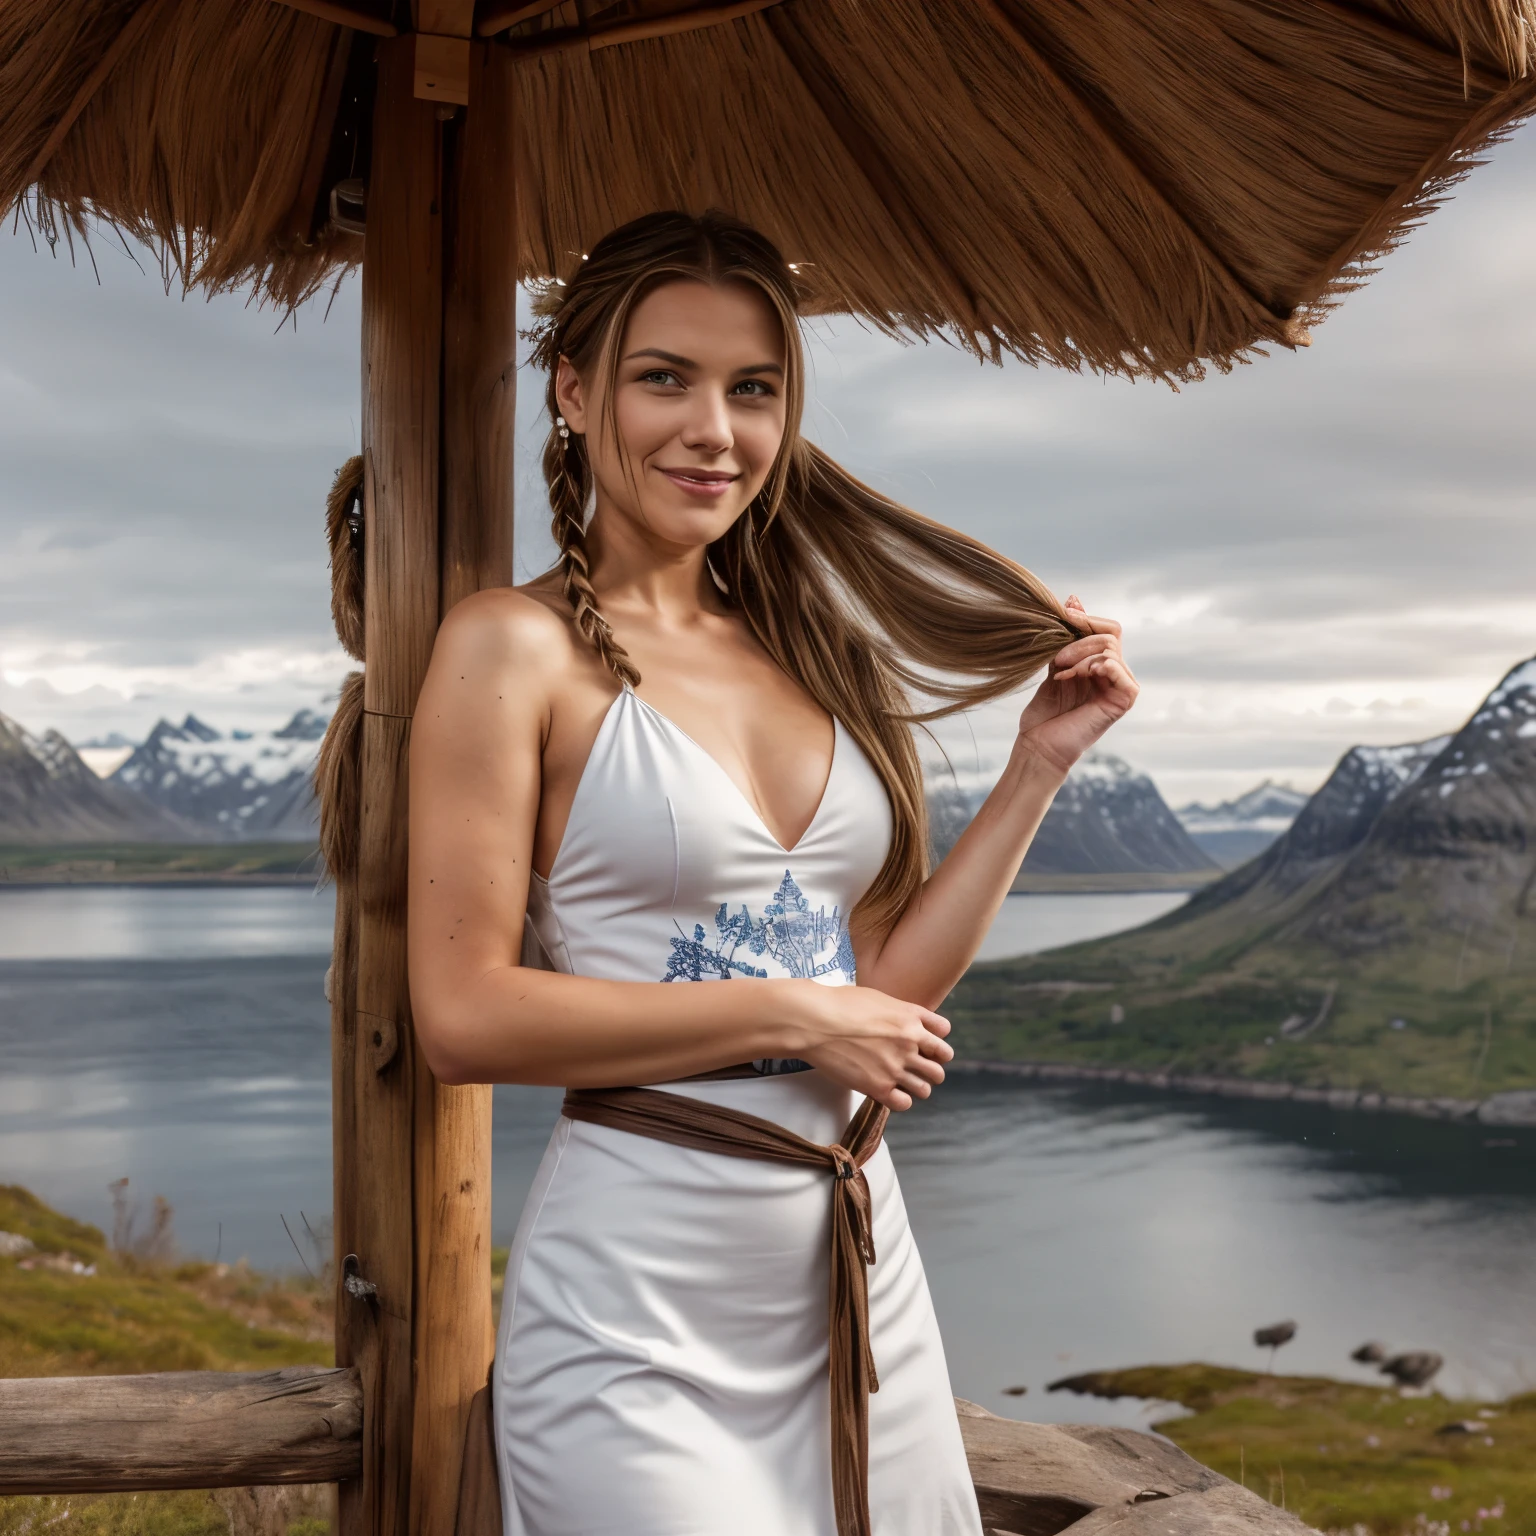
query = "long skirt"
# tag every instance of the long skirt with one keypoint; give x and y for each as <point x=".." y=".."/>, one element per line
<point x="661" y="1365"/>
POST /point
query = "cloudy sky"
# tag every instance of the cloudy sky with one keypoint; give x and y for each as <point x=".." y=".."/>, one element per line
<point x="1323" y="548"/>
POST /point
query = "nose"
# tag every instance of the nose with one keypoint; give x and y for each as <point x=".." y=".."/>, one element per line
<point x="708" y="428"/>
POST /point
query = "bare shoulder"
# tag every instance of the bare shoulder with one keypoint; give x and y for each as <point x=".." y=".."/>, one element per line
<point x="507" y="626"/>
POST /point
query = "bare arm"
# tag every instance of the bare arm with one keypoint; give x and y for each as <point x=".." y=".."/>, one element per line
<point x="476" y="770"/>
<point x="937" y="937"/>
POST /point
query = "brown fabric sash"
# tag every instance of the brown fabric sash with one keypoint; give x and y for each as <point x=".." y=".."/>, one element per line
<point x="704" y="1127"/>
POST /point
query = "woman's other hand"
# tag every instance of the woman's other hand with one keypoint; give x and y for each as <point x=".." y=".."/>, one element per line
<point x="889" y="1050"/>
<point x="1089" y="687"/>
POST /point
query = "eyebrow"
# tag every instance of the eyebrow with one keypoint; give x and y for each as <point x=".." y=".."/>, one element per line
<point x="679" y="361"/>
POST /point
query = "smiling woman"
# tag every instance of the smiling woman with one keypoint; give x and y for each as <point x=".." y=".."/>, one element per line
<point x="577" y="850"/>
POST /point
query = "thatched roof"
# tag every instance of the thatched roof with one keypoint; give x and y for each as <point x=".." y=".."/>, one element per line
<point x="1131" y="185"/>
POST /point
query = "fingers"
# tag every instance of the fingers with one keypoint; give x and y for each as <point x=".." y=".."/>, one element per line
<point x="925" y="1071"/>
<point x="1092" y="622"/>
<point x="1079" y="650"/>
<point x="934" y="1023"/>
<point x="896" y="1099"/>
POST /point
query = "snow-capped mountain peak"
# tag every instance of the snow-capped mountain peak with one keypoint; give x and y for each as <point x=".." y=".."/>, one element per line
<point x="246" y="784"/>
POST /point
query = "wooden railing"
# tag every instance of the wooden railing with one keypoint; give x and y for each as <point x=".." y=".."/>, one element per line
<point x="180" y="1429"/>
<point x="207" y="1429"/>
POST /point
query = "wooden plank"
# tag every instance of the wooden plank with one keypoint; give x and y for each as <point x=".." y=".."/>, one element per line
<point x="354" y="16"/>
<point x="480" y="336"/>
<point x="670" y="26"/>
<point x="448" y="18"/>
<point x="442" y="68"/>
<point x="180" y="1429"/>
<point x="499" y="17"/>
<point x="402" y="360"/>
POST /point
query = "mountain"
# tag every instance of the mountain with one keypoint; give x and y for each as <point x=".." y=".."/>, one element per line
<point x="1106" y="819"/>
<point x="1234" y="831"/>
<point x="1386" y="941"/>
<point x="48" y="795"/>
<point x="246" y="785"/>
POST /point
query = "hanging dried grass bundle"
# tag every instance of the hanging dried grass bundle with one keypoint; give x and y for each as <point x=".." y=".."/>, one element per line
<point x="338" y="783"/>
<point x="344" y="536"/>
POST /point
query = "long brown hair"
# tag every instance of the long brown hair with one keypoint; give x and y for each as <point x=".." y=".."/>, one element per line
<point x="862" y="601"/>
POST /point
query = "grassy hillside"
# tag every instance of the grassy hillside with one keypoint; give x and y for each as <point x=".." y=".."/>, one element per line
<point x="1446" y="1014"/>
<point x="70" y="1307"/>
<point x="1350" y="1458"/>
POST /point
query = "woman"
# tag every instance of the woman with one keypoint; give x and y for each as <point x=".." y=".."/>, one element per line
<point x="686" y="755"/>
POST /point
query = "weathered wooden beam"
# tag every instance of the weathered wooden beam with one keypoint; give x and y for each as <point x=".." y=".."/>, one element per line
<point x="354" y="16"/>
<point x="376" y="1214"/>
<point x="181" y="1429"/>
<point x="576" y="39"/>
<point x="1041" y="1479"/>
<point x="453" y="1124"/>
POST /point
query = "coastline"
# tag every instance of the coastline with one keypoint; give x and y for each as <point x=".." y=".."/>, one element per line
<point x="37" y="865"/>
<point x="1512" y="1108"/>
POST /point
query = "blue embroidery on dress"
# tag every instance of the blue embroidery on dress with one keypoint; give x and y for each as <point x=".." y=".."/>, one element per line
<point x="788" y="932"/>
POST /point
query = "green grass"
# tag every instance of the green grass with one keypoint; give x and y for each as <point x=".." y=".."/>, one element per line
<point x="1349" y="1457"/>
<point x="132" y="1316"/>
<point x="65" y="863"/>
<point x="1197" y="998"/>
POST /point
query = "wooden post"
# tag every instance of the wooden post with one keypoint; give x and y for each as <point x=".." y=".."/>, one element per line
<point x="453" y="1125"/>
<point x="412" y="1156"/>
<point x="401" y="355"/>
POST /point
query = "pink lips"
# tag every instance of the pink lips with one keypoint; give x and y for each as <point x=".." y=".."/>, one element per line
<point x="712" y="483"/>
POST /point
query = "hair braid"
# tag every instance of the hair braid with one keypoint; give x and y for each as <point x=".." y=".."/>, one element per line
<point x="866" y="604"/>
<point x="569" y="479"/>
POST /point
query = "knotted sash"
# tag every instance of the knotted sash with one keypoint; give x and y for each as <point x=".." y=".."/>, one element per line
<point x="704" y="1127"/>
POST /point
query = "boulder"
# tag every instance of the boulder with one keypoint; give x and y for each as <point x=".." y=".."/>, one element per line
<point x="1091" y="1479"/>
<point x="1515" y="1107"/>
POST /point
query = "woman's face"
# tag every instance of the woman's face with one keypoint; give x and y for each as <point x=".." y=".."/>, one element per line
<point x="699" y="403"/>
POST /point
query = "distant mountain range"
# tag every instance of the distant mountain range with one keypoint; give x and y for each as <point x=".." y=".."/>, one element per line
<point x="48" y="795"/>
<point x="246" y="785"/>
<point x="1107" y="819"/>
<point x="1387" y="938"/>
<point x="1234" y="831"/>
<point x="183" y="783"/>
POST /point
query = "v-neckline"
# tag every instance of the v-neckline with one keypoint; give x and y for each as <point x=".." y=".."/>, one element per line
<point x="741" y="794"/>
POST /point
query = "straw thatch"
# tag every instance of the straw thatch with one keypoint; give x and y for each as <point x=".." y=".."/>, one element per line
<point x="1129" y="185"/>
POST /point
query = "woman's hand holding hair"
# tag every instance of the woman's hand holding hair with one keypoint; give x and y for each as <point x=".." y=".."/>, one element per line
<point x="1088" y="688"/>
<point x="889" y="1050"/>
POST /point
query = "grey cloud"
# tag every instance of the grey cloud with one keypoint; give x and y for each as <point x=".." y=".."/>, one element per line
<point x="1350" y="522"/>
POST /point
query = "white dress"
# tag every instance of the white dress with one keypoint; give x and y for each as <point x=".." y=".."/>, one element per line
<point x="661" y="1365"/>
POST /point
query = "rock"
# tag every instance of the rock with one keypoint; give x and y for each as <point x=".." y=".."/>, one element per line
<point x="1515" y="1107"/>
<point x="1085" y="1479"/>
<point x="1462" y="1427"/>
<point x="1413" y="1368"/>
<point x="13" y="1245"/>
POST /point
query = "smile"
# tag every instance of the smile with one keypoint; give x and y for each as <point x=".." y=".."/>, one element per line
<point x="701" y="482"/>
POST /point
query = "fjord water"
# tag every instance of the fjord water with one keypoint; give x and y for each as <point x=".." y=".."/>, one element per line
<point x="179" y="1037"/>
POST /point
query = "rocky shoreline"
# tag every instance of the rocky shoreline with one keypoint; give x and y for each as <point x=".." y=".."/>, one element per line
<point x="1514" y="1107"/>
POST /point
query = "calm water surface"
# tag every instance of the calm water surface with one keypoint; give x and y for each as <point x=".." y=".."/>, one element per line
<point x="179" y="1037"/>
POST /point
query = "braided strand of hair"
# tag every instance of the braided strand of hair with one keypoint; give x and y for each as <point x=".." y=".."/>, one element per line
<point x="568" y="477"/>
